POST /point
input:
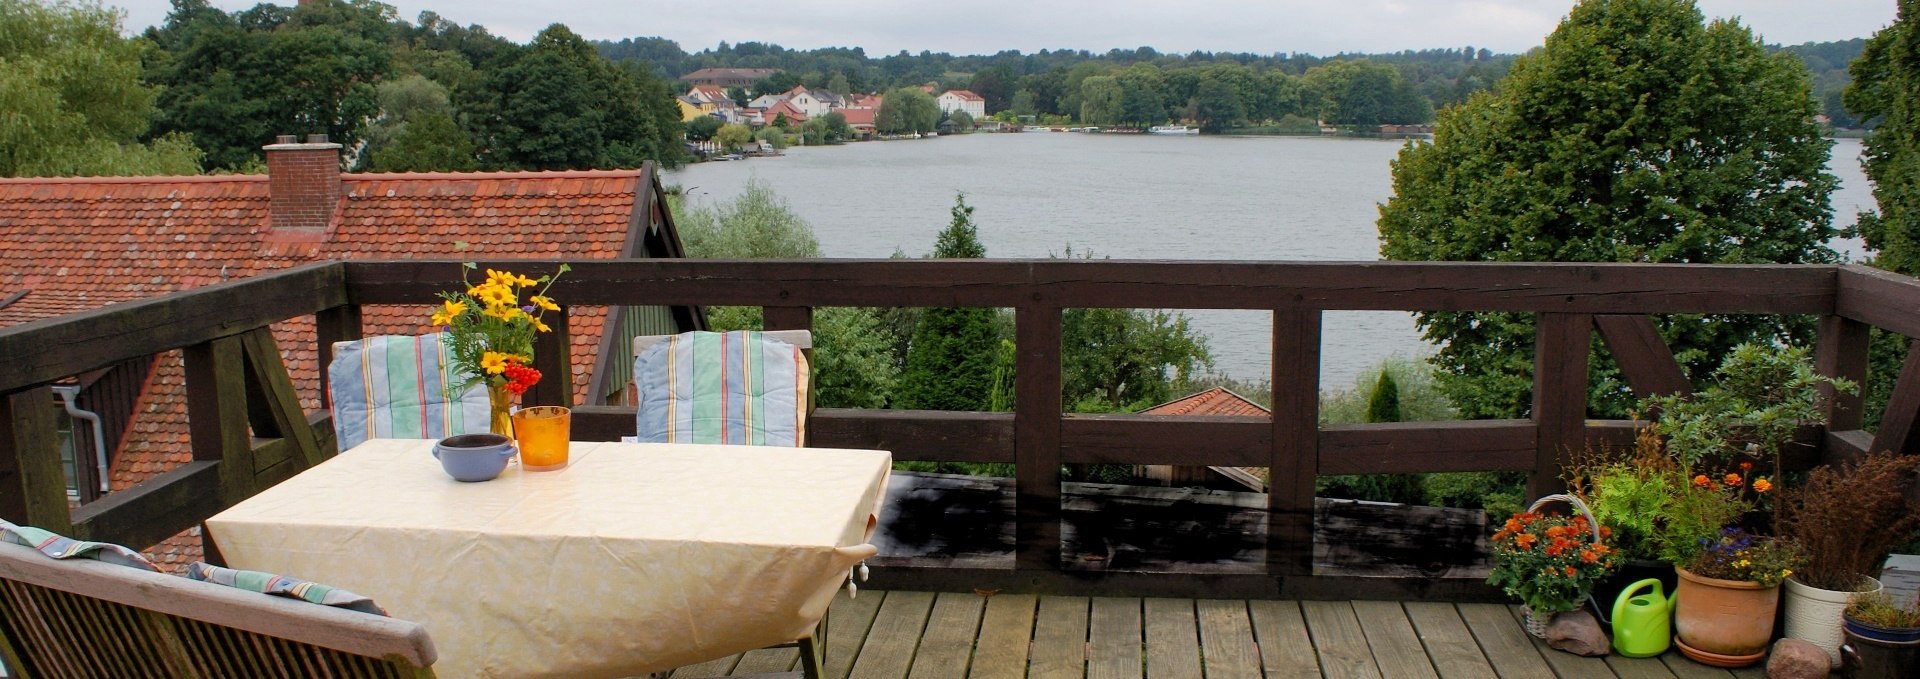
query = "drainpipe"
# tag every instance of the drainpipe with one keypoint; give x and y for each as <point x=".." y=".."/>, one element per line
<point x="67" y="394"/>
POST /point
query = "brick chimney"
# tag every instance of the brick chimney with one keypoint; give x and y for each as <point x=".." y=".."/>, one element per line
<point x="303" y="183"/>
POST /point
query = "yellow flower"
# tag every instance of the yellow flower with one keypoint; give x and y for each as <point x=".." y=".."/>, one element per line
<point x="494" y="362"/>
<point x="524" y="281"/>
<point x="543" y="302"/>
<point x="453" y="308"/>
<point x="504" y="312"/>
<point x="542" y="327"/>
<point x="496" y="294"/>
<point x="501" y="278"/>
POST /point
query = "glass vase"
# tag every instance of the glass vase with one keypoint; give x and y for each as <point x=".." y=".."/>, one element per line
<point x="499" y="409"/>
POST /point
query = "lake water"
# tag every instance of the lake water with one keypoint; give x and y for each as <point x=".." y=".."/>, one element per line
<point x="1133" y="197"/>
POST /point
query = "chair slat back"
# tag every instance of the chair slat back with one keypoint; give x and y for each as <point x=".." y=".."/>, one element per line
<point x="738" y="387"/>
<point x="395" y="386"/>
<point x="84" y="618"/>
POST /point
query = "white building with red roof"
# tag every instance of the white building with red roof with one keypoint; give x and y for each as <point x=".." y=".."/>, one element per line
<point x="962" y="100"/>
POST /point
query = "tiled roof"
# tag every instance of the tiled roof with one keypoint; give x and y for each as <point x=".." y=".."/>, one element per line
<point x="82" y="243"/>
<point x="793" y="113"/>
<point x="857" y="116"/>
<point x="966" y="95"/>
<point x="1215" y="401"/>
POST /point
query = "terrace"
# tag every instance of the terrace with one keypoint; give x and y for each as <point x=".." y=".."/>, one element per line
<point x="1039" y="609"/>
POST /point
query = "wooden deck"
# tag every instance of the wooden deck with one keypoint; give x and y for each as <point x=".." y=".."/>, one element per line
<point x="921" y="635"/>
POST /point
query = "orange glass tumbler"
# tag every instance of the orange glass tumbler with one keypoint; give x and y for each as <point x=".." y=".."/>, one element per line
<point x="542" y="432"/>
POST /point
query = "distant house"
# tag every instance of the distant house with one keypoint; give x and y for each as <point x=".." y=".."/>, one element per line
<point x="69" y="245"/>
<point x="1212" y="402"/>
<point x="708" y="94"/>
<point x="691" y="108"/>
<point x="727" y="77"/>
<point x="787" y="108"/>
<point x="860" y="120"/>
<point x="767" y="100"/>
<point x="862" y="101"/>
<point x="807" y="102"/>
<point x="962" y="100"/>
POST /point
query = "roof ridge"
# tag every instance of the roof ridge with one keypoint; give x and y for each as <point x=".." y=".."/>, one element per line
<point x="536" y="174"/>
<point x="151" y="179"/>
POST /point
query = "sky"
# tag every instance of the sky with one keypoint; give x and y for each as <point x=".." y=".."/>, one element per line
<point x="883" y="27"/>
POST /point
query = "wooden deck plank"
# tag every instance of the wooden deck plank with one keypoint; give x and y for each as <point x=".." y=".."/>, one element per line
<point x="1754" y="671"/>
<point x="1059" y="639"/>
<point x="1226" y="639"/>
<point x="1173" y="639"/>
<point x="1396" y="649"/>
<point x="888" y="653"/>
<point x="1508" y="648"/>
<point x="948" y="643"/>
<point x="1114" y="639"/>
<point x="766" y="661"/>
<point x="1338" y="639"/>
<point x="717" y="667"/>
<point x="1683" y="668"/>
<point x="1286" y="650"/>
<point x="848" y="621"/>
<point x="1565" y="665"/>
<point x="1006" y="636"/>
<point x="1638" y="668"/>
<point x="1449" y="643"/>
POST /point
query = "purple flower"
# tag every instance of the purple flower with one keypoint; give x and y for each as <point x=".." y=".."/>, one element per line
<point x="528" y="308"/>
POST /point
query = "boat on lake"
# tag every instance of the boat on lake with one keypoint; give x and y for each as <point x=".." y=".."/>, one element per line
<point x="1172" y="129"/>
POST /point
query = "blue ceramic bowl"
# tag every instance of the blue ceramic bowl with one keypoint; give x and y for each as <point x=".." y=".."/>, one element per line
<point x="473" y="457"/>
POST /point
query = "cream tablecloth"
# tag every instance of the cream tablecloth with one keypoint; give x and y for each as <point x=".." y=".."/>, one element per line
<point x="636" y="558"/>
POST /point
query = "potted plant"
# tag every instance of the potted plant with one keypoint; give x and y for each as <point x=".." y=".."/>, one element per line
<point x="490" y="331"/>
<point x="1728" y="594"/>
<point x="1549" y="562"/>
<point x="1846" y="521"/>
<point x="1760" y="396"/>
<point x="1882" y="637"/>
<point x="1631" y="495"/>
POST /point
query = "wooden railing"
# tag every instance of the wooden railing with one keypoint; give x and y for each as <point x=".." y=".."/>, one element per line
<point x="248" y="432"/>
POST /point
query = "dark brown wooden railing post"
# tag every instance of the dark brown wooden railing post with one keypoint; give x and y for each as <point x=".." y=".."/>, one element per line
<point x="552" y="356"/>
<point x="32" y="484"/>
<point x="335" y="324"/>
<point x="787" y="318"/>
<point x="1900" y="424"/>
<point x="1294" y="459"/>
<point x="217" y="414"/>
<point x="1036" y="436"/>
<point x="1842" y="352"/>
<point x="1560" y="346"/>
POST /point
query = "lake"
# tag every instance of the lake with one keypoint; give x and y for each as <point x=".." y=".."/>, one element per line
<point x="1133" y="197"/>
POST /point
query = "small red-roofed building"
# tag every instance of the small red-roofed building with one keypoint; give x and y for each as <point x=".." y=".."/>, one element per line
<point x="1215" y="402"/>
<point x="962" y="100"/>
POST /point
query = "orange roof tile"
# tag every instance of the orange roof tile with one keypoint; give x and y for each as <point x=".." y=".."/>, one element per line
<point x="81" y="243"/>
<point x="1215" y="401"/>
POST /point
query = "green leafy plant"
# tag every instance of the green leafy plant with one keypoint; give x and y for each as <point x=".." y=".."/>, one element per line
<point x="1880" y="610"/>
<point x="1736" y="555"/>
<point x="1847" y="520"/>
<point x="1549" y="561"/>
<point x="1760" y="394"/>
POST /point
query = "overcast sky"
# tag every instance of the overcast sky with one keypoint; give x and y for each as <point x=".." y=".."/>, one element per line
<point x="882" y="27"/>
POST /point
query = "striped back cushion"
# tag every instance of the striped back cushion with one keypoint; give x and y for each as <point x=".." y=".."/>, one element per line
<point x="395" y="386"/>
<point x="729" y="388"/>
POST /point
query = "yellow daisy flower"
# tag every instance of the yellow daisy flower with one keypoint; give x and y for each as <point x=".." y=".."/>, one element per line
<point x="494" y="362"/>
<point x="525" y="282"/>
<point x="542" y="327"/>
<point x="543" y="302"/>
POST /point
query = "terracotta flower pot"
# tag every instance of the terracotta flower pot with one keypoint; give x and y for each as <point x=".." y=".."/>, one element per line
<point x="1724" y="623"/>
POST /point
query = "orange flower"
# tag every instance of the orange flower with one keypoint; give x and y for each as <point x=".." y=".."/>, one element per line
<point x="1762" y="485"/>
<point x="1525" y="540"/>
<point x="1606" y="532"/>
<point x="1733" y="480"/>
<point x="1556" y="531"/>
<point x="1571" y="572"/>
<point x="1589" y="556"/>
<point x="1701" y="481"/>
<point x="1746" y="466"/>
<point x="1513" y="526"/>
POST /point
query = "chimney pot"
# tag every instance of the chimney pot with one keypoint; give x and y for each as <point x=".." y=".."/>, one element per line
<point x="317" y="138"/>
<point x="287" y="139"/>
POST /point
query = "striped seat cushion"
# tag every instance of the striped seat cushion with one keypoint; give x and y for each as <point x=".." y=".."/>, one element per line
<point x="729" y="388"/>
<point x="395" y="386"/>
<point x="280" y="585"/>
<point x="62" y="547"/>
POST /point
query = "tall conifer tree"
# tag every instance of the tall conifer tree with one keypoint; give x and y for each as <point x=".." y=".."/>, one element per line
<point x="950" y="361"/>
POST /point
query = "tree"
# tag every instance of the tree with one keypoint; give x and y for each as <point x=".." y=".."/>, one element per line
<point x="813" y="132"/>
<point x="906" y="110"/>
<point x="837" y="128"/>
<point x="1216" y="107"/>
<point x="962" y="122"/>
<point x="1363" y="92"/>
<point x="72" y="100"/>
<point x="1637" y="134"/>
<point x="559" y="105"/>
<point x="1384" y="404"/>
<point x="951" y="358"/>
<point x="1119" y="360"/>
<point x="781" y="121"/>
<point x="427" y="143"/>
<point x="1102" y="101"/>
<point x="703" y="128"/>
<point x="1023" y="103"/>
<point x="1886" y="88"/>
<point x="732" y="136"/>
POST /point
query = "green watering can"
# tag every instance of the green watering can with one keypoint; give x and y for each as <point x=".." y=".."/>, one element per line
<point x="1642" y="625"/>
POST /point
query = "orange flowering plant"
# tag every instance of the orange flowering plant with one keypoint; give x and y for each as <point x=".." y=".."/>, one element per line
<point x="491" y="329"/>
<point x="1550" y="561"/>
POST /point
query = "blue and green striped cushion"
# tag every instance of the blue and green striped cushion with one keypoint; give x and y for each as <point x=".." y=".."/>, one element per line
<point x="62" y="547"/>
<point x="280" y="585"/>
<point x="395" y="386"/>
<point x="729" y="388"/>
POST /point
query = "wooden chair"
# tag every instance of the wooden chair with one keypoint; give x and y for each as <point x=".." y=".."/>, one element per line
<point x="771" y="355"/>
<point x="395" y="386"/>
<point x="84" y="618"/>
<point x="813" y="647"/>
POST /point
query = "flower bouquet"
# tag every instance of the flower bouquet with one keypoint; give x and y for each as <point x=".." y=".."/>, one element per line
<point x="490" y="335"/>
<point x="1549" y="562"/>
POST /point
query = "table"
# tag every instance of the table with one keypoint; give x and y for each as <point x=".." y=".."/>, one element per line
<point x="636" y="558"/>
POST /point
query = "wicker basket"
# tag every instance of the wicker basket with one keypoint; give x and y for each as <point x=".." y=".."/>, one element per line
<point x="1537" y="624"/>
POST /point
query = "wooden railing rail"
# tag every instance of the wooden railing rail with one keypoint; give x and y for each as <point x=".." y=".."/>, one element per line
<point x="246" y="436"/>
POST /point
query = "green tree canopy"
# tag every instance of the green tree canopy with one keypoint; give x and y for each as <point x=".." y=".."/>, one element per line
<point x="559" y="105"/>
<point x="1363" y="92"/>
<point x="72" y="98"/>
<point x="1102" y="100"/>
<point x="429" y="142"/>
<point x="1886" y="88"/>
<point x="732" y="136"/>
<point x="950" y="361"/>
<point x="1216" y="107"/>
<point x="1637" y="134"/>
<point x="907" y="110"/>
